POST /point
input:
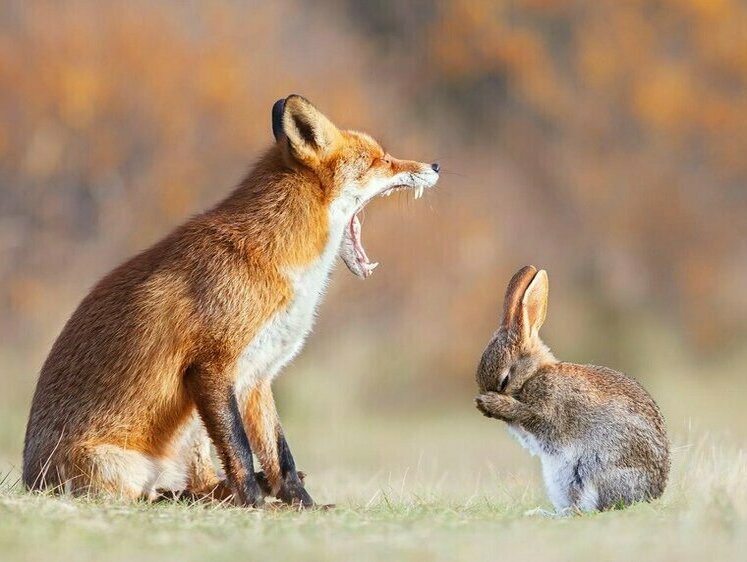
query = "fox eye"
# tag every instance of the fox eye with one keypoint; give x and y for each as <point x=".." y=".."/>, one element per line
<point x="387" y="159"/>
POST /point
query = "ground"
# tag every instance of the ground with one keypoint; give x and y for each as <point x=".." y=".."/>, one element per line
<point x="449" y="487"/>
<point x="416" y="473"/>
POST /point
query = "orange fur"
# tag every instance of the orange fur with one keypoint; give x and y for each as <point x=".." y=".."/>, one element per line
<point x="263" y="427"/>
<point x="162" y="334"/>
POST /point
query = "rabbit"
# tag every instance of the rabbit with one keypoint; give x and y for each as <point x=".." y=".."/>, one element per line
<point x="599" y="434"/>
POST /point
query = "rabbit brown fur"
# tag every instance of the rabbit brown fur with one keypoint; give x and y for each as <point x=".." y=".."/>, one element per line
<point x="599" y="434"/>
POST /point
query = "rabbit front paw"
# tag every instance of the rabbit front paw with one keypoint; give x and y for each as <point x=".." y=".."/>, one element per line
<point x="495" y="405"/>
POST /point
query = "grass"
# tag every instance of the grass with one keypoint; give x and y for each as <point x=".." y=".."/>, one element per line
<point x="411" y="484"/>
<point x="419" y="515"/>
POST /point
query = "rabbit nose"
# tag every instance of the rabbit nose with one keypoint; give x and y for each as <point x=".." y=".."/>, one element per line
<point x="436" y="167"/>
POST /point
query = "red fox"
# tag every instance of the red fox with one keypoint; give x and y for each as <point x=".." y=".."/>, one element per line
<point x="178" y="347"/>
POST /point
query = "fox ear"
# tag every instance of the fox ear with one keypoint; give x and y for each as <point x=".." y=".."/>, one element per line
<point x="278" y="109"/>
<point x="534" y="304"/>
<point x="515" y="294"/>
<point x="310" y="135"/>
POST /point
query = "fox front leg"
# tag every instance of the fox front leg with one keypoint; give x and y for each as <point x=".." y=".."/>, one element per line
<point x="216" y="403"/>
<point x="280" y="476"/>
<point x="501" y="407"/>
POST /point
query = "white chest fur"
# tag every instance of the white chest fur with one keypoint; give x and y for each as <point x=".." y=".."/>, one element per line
<point x="283" y="335"/>
<point x="557" y="470"/>
<point x="527" y="440"/>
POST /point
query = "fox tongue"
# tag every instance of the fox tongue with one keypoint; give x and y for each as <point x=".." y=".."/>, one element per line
<point x="352" y="251"/>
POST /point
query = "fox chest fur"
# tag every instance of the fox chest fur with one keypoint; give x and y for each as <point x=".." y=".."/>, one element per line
<point x="283" y="335"/>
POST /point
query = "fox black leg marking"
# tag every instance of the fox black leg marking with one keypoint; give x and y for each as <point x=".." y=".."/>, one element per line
<point x="287" y="464"/>
<point x="240" y="444"/>
<point x="216" y="403"/>
<point x="291" y="490"/>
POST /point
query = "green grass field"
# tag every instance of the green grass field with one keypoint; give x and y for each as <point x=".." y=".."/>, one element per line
<point x="403" y="527"/>
<point x="430" y="481"/>
<point x="422" y="512"/>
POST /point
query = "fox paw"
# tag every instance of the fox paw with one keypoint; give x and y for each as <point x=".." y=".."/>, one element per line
<point x="293" y="493"/>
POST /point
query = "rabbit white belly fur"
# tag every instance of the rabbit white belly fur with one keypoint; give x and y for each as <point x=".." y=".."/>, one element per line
<point x="558" y="472"/>
<point x="527" y="440"/>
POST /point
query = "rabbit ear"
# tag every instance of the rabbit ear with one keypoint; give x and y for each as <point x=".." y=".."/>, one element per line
<point x="534" y="304"/>
<point x="515" y="294"/>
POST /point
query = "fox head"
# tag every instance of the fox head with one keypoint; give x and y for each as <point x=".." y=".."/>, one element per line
<point x="351" y="166"/>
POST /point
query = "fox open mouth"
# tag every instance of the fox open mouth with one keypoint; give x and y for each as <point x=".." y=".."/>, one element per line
<point x="352" y="252"/>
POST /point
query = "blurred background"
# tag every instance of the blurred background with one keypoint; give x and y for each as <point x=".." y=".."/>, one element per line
<point x="603" y="141"/>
